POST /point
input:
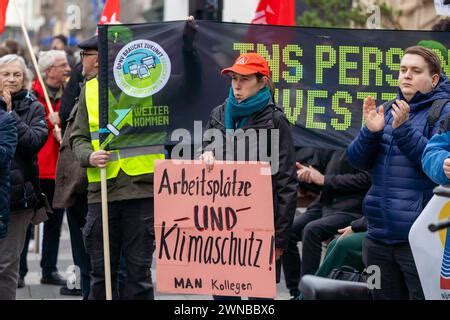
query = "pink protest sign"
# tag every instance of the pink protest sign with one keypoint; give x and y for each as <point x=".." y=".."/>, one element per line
<point x="214" y="230"/>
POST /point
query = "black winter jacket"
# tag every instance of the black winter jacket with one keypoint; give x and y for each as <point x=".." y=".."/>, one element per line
<point x="8" y="142"/>
<point x="70" y="95"/>
<point x="32" y="133"/>
<point x="344" y="187"/>
<point x="284" y="181"/>
<point x="359" y="225"/>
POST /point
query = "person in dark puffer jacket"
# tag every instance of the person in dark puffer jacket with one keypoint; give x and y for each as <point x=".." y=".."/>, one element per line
<point x="391" y="145"/>
<point x="29" y="116"/>
<point x="8" y="142"/>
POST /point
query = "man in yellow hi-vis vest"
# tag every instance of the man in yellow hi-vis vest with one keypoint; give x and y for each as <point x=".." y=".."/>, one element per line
<point x="130" y="201"/>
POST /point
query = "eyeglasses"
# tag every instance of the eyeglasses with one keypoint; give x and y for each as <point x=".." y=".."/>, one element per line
<point x="64" y="65"/>
<point x="85" y="54"/>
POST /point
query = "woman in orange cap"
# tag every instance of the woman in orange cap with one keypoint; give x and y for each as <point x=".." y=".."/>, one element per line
<point x="250" y="106"/>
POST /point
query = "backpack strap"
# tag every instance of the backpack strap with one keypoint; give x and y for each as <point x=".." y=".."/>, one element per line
<point x="277" y="114"/>
<point x="435" y="112"/>
<point x="445" y="125"/>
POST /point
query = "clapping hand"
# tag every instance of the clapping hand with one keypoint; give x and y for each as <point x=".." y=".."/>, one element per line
<point x="309" y="174"/>
<point x="303" y="173"/>
<point x="400" y="112"/>
<point x="374" y="120"/>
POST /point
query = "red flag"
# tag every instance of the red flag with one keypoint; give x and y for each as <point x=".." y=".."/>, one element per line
<point x="111" y="12"/>
<point x="277" y="12"/>
<point x="3" y="7"/>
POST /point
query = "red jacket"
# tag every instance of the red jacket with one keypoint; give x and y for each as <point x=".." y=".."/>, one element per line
<point x="48" y="156"/>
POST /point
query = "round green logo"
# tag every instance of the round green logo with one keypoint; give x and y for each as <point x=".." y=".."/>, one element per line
<point x="141" y="68"/>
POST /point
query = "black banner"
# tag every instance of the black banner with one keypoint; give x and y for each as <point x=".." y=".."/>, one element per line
<point x="158" y="77"/>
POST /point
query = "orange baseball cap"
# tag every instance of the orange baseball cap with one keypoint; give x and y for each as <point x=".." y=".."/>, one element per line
<point x="249" y="63"/>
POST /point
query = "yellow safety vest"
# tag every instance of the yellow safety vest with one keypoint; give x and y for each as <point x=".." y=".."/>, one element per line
<point x="132" y="161"/>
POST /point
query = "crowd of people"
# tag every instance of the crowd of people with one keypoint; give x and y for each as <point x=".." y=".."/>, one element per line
<point x="370" y="194"/>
